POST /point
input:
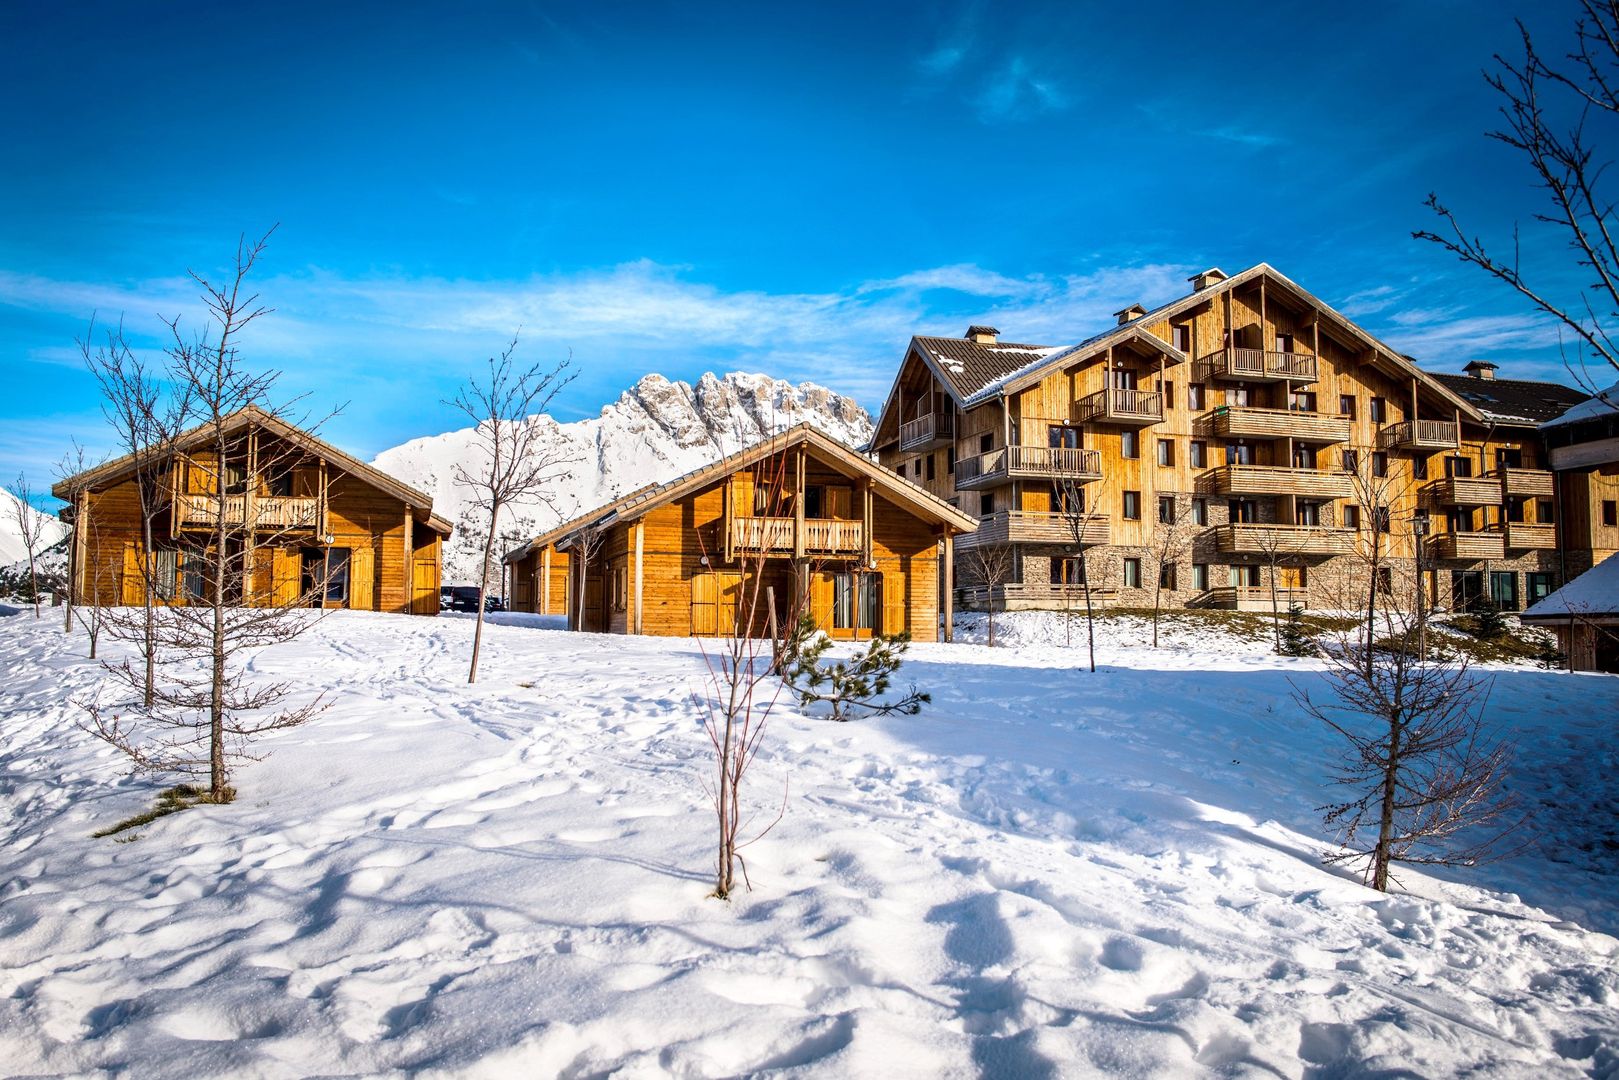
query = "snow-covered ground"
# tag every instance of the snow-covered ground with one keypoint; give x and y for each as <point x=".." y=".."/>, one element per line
<point x="1048" y="872"/>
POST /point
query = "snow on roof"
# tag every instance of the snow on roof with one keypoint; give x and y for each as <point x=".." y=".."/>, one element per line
<point x="1606" y="401"/>
<point x="1595" y="592"/>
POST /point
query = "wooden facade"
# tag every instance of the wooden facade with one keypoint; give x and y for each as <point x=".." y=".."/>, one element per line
<point x="292" y="503"/>
<point x="808" y="517"/>
<point x="1280" y="437"/>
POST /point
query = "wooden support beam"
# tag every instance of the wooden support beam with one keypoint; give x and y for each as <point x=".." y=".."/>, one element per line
<point x="81" y="522"/>
<point x="798" y="507"/>
<point x="947" y="574"/>
<point x="410" y="564"/>
<point x="639" y="528"/>
<point x="544" y="583"/>
<point x="865" y="520"/>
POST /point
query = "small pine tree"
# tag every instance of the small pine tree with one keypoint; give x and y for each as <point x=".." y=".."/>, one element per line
<point x="1294" y="639"/>
<point x="1488" y="623"/>
<point x="850" y="684"/>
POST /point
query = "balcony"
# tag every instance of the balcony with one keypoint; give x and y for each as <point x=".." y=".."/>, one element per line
<point x="774" y="536"/>
<point x="1463" y="491"/>
<point x="1127" y="408"/>
<point x="1529" y="482"/>
<point x="927" y="431"/>
<point x="1470" y="545"/>
<point x="1242" y="422"/>
<point x="1254" y="598"/>
<point x="1277" y="480"/>
<point x="1522" y="536"/>
<point x="1247" y="538"/>
<point x="1261" y="365"/>
<point x="1419" y="435"/>
<point x="1016" y="596"/>
<point x="1034" y="527"/>
<point x="1028" y="463"/>
<point x="281" y="513"/>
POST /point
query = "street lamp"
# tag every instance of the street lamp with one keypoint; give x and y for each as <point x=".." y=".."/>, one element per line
<point x="1419" y="533"/>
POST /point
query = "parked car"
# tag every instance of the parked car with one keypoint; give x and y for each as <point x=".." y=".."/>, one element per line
<point x="466" y="597"/>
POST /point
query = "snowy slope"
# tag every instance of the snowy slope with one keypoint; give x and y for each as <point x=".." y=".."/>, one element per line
<point x="655" y="431"/>
<point x="1047" y="873"/>
<point x="12" y="548"/>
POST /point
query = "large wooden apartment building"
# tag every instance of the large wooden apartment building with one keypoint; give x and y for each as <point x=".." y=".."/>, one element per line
<point x="303" y="518"/>
<point x="1281" y="439"/>
<point x="799" y="512"/>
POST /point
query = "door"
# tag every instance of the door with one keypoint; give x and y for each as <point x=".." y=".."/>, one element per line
<point x="286" y="567"/>
<point x="362" y="578"/>
<point x="133" y="584"/>
<point x="1466" y="589"/>
<point x="423" y="585"/>
<point x="714" y="599"/>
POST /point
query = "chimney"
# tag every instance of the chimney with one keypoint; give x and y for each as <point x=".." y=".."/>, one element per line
<point x="1481" y="369"/>
<point x="982" y="335"/>
<point x="1212" y="276"/>
<point x="1130" y="314"/>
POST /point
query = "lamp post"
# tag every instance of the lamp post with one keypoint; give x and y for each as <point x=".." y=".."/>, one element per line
<point x="1419" y="533"/>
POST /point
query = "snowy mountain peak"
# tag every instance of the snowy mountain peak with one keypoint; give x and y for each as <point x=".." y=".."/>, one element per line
<point x="657" y="429"/>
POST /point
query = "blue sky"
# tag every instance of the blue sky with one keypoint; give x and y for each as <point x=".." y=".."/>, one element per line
<point x="681" y="188"/>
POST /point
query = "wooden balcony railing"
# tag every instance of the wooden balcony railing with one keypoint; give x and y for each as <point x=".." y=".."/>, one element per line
<point x="1279" y="480"/>
<point x="1470" y="545"/>
<point x="1034" y="527"/>
<point x="1251" y="538"/>
<point x="263" y="512"/>
<point x="1463" y="491"/>
<point x="1033" y="462"/>
<point x="1244" y="422"/>
<point x="1529" y="536"/>
<point x="1530" y="482"/>
<point x="1255" y="597"/>
<point x="1114" y="406"/>
<point x="774" y="536"/>
<point x="1262" y="365"/>
<point x="926" y="430"/>
<point x="1039" y="595"/>
<point x="1419" y="435"/>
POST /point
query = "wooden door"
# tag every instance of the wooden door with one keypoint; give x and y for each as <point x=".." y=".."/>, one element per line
<point x="362" y="579"/>
<point x="286" y="577"/>
<point x="714" y="599"/>
<point x="133" y="589"/>
<point x="424" y="587"/>
<point x="822" y="595"/>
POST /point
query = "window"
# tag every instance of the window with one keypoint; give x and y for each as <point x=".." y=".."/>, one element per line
<point x="1068" y="498"/>
<point x="1066" y="438"/>
<point x="986" y="443"/>
<point x="1181" y="338"/>
<point x="165" y="572"/>
<point x="1466" y="589"/>
<point x="1351" y="516"/>
<point x="1195" y="396"/>
<point x="1166" y="509"/>
<point x="1382" y="520"/>
<point x="1419" y="468"/>
<point x="950" y="460"/>
<point x="1200" y="511"/>
<point x="1239" y="454"/>
<point x="1166" y="576"/>
<point x="1515" y="509"/>
<point x="1379" y="411"/>
<point x="1346" y="405"/>
<point x="1243" y="577"/>
<point x="1504" y="589"/>
<point x="1129" y="444"/>
<point x="1308" y="513"/>
<point x="332" y="565"/>
<point x="1242" y="511"/>
<point x="918" y="469"/>
<point x="1380" y="463"/>
<point x="1239" y="396"/>
<point x="1123" y="379"/>
<point x="1200" y="576"/>
<point x="842" y="601"/>
<point x="1544" y="512"/>
<point x="1351" y="461"/>
<point x="1166" y="451"/>
<point x="279" y="482"/>
<point x="1301" y="401"/>
<point x="1132" y="506"/>
<point x="1168" y="388"/>
<point x="1284" y="342"/>
<point x="815" y="500"/>
<point x="1458" y="466"/>
<point x="1385" y="581"/>
<point x="986" y="503"/>
<point x="1132" y="573"/>
<point x="857" y="601"/>
<point x="1303" y="457"/>
<point x="932" y="460"/>
<point x="1539" y="586"/>
<point x="1064" y="570"/>
<point x="235" y="479"/>
<point x="1508" y="458"/>
<point x="1199" y="454"/>
<point x="1610" y="512"/>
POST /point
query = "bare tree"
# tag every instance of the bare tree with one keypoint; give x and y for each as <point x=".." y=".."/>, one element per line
<point x="583" y="547"/>
<point x="1560" y="117"/>
<point x="1171" y="540"/>
<point x="990" y="566"/>
<point x="1375" y="489"/>
<point x="515" y="459"/>
<point x="206" y="711"/>
<point x="30" y="529"/>
<point x="1426" y="777"/>
<point x="1280" y="549"/>
<point x="1081" y="515"/>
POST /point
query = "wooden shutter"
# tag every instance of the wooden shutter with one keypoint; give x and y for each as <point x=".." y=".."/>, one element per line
<point x="287" y="571"/>
<point x="704" y="617"/>
<point x="133" y="586"/>
<point x="895" y="615"/>
<point x="362" y="578"/>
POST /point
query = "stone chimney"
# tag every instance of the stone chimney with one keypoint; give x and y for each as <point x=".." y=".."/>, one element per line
<point x="1130" y="314"/>
<point x="982" y="335"/>
<point x="1212" y="276"/>
<point x="1481" y="369"/>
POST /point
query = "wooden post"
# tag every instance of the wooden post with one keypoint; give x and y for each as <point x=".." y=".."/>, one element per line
<point x="250" y="517"/>
<point x="320" y="505"/>
<point x="410" y="565"/>
<point x="865" y="523"/>
<point x="1262" y="326"/>
<point x="727" y="540"/>
<point x="640" y="563"/>
<point x="80" y="521"/>
<point x="798" y="509"/>
<point x="545" y="578"/>
<point x="1414" y="413"/>
<point x="948" y="576"/>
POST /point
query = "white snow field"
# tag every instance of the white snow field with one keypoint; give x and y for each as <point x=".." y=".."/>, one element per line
<point x="1047" y="873"/>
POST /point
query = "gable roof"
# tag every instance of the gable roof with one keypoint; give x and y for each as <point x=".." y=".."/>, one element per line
<point x="1593" y="593"/>
<point x="119" y="469"/>
<point x="983" y="373"/>
<point x="1514" y="401"/>
<point x="896" y="489"/>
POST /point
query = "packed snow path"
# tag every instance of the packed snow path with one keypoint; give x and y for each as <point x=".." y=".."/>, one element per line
<point x="1047" y="873"/>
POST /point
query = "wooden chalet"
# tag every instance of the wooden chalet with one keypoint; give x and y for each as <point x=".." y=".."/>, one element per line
<point x="1255" y="417"/>
<point x="866" y="548"/>
<point x="297" y="509"/>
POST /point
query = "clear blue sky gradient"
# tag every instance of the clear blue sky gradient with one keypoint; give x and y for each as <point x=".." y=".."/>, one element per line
<point x="680" y="188"/>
